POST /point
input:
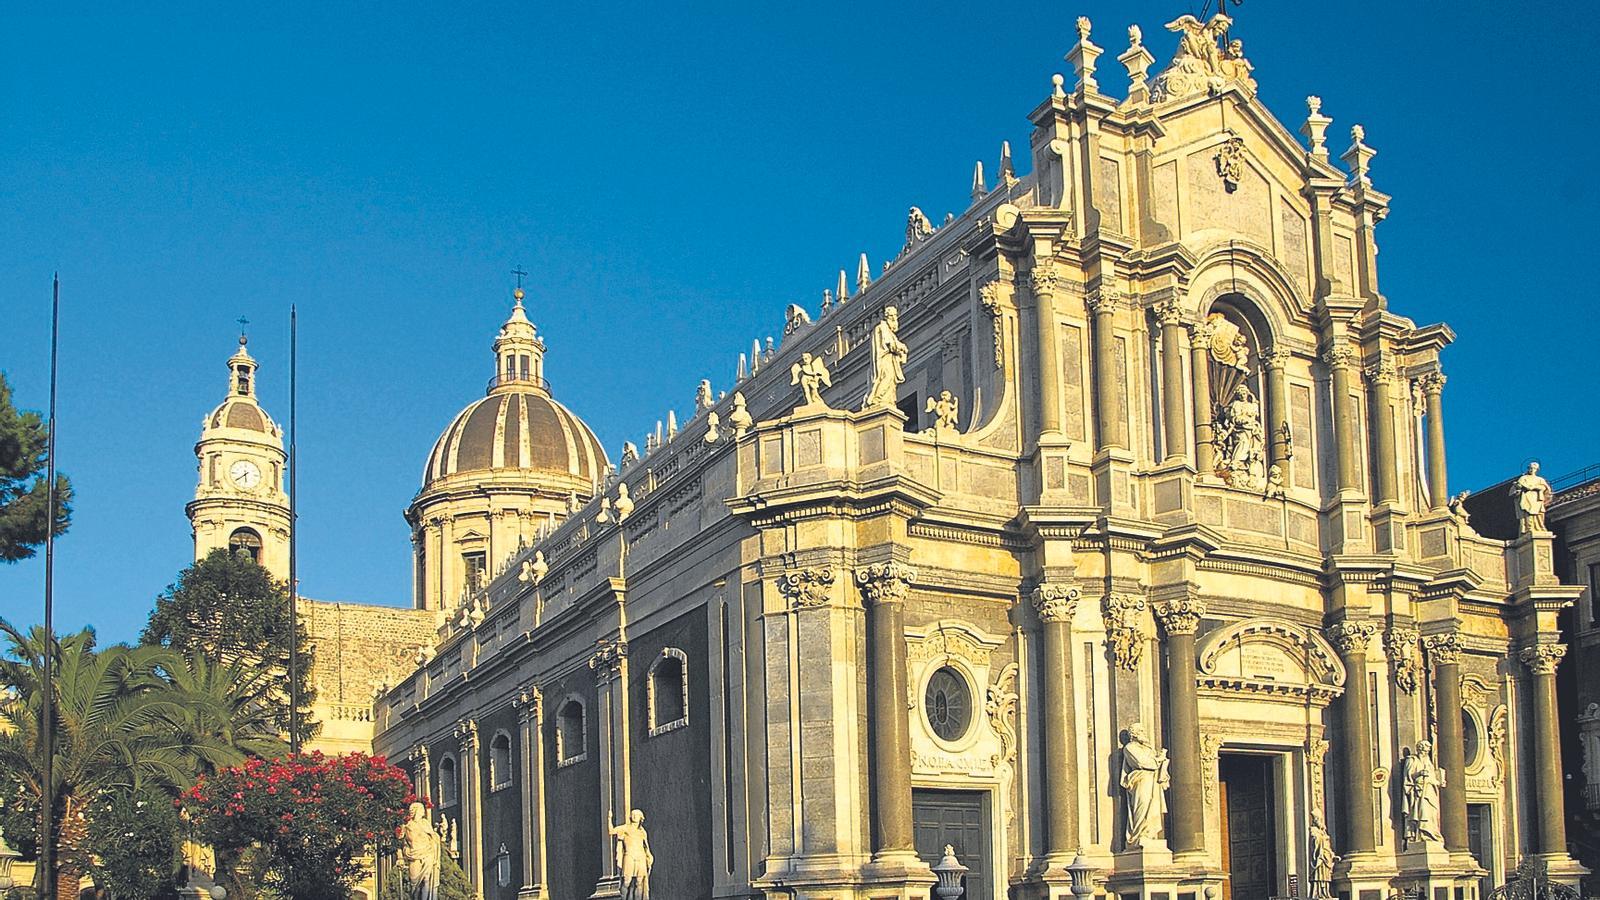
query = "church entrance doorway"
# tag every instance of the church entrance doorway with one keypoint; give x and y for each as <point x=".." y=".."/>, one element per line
<point x="960" y="819"/>
<point x="1249" y="826"/>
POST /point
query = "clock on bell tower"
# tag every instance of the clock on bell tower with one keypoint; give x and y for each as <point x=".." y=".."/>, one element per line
<point x="240" y="504"/>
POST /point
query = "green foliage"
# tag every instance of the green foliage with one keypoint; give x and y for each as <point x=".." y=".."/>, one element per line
<point x="232" y="611"/>
<point x="452" y="882"/>
<point x="312" y="816"/>
<point x="19" y="816"/>
<point x="24" y="506"/>
<point x="116" y="729"/>
<point x="133" y="833"/>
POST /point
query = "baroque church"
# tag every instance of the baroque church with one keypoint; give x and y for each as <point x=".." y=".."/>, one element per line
<point x="1103" y="534"/>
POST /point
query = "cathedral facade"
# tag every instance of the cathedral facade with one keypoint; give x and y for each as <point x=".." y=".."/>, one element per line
<point x="1105" y="532"/>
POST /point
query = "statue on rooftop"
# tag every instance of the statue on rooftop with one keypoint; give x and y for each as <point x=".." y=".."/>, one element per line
<point x="918" y="227"/>
<point x="1532" y="495"/>
<point x="811" y="373"/>
<point x="945" y="409"/>
<point x="888" y="362"/>
<point x="740" y="417"/>
<point x="1198" y="64"/>
<point x="794" y="319"/>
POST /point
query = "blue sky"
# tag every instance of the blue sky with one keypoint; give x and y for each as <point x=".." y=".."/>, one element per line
<point x="672" y="176"/>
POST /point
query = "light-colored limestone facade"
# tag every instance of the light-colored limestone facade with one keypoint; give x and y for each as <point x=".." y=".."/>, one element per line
<point x="1169" y="577"/>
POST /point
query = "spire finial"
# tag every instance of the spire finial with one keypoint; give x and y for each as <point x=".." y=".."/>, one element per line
<point x="517" y="292"/>
<point x="979" y="188"/>
<point x="244" y="337"/>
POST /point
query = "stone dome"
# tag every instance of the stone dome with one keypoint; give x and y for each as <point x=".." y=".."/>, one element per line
<point x="518" y="427"/>
<point x="238" y="413"/>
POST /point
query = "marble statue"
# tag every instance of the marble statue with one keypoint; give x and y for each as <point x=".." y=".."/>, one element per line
<point x="1322" y="858"/>
<point x="199" y="862"/>
<point x="1235" y="66"/>
<point x="1532" y="495"/>
<point x="1144" y="783"/>
<point x="702" y="395"/>
<point x="1458" y="507"/>
<point x="945" y="408"/>
<point x="740" y="417"/>
<point x="712" y="422"/>
<point x="420" y="847"/>
<point x="888" y="362"/>
<point x="811" y="373"/>
<point x="634" y="859"/>
<point x="1241" y="440"/>
<point x="1275" y="486"/>
<point x="624" y="504"/>
<point x="918" y="227"/>
<point x="533" y="570"/>
<point x="794" y="319"/>
<point x="1198" y="64"/>
<point x="630" y="454"/>
<point x="1421" y="780"/>
<point x="452" y="839"/>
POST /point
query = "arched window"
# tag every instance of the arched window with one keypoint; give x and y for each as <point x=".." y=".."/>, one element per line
<point x="245" y="542"/>
<point x="668" y="690"/>
<point x="449" y="783"/>
<point x="570" y="733"/>
<point x="500" y="768"/>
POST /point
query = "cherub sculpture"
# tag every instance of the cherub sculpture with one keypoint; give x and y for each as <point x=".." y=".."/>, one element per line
<point x="811" y="373"/>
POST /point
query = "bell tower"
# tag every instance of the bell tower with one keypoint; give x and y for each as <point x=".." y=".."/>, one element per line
<point x="240" y="504"/>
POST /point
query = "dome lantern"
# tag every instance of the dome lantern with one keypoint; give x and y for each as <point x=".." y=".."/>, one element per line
<point x="518" y="354"/>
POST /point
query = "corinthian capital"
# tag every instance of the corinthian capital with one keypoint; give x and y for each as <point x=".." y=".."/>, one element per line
<point x="1179" y="615"/>
<point x="1542" y="659"/>
<point x="466" y="731"/>
<point x="805" y="588"/>
<point x="1381" y="370"/>
<point x="1350" y="637"/>
<point x="1042" y="278"/>
<point x="1104" y="300"/>
<point x="1444" y="649"/>
<point x="1055" y="602"/>
<point x="1338" y="355"/>
<point x="1276" y="358"/>
<point x="885" y="582"/>
<point x="1432" y="383"/>
<point x="529" y="703"/>
<point x="1167" y="312"/>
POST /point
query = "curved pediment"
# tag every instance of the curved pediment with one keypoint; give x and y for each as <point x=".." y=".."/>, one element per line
<point x="1270" y="656"/>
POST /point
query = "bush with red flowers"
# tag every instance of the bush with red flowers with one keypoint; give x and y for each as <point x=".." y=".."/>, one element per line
<point x="312" y="816"/>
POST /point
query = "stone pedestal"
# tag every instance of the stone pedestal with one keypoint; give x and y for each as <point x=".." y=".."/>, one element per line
<point x="900" y="875"/>
<point x="1433" y="868"/>
<point x="1151" y="873"/>
<point x="1364" y="875"/>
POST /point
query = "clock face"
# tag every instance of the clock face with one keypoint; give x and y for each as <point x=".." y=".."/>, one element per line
<point x="245" y="474"/>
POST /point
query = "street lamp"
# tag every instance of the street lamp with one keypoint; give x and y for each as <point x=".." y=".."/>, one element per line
<point x="7" y="857"/>
<point x="950" y="872"/>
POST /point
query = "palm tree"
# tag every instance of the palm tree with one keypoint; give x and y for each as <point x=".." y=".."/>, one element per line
<point x="231" y="711"/>
<point x="115" y="711"/>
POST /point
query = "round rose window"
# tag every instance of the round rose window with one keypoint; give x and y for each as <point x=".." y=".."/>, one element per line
<point x="949" y="704"/>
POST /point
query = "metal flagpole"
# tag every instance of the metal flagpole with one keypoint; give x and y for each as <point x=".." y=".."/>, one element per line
<point x="294" y="583"/>
<point x="47" y="715"/>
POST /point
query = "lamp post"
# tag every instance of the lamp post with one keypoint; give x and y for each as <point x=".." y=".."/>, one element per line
<point x="950" y="871"/>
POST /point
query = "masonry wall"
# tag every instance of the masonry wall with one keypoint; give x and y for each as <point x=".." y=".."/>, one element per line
<point x="572" y="793"/>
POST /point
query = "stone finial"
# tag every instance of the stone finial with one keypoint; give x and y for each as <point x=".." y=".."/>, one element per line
<point x="533" y="571"/>
<point x="1137" y="60"/>
<point x="1359" y="157"/>
<point x="979" y="189"/>
<point x="702" y="395"/>
<point x="1058" y="86"/>
<point x="713" y="422"/>
<point x="624" y="503"/>
<point x="744" y="368"/>
<point x="672" y="424"/>
<point x="739" y="417"/>
<point x="755" y="355"/>
<point x="827" y="300"/>
<point x="1008" y="172"/>
<point x="1083" y="56"/>
<point x="767" y="356"/>
<point x="863" y="274"/>
<point x="1315" y="128"/>
<point x="840" y="292"/>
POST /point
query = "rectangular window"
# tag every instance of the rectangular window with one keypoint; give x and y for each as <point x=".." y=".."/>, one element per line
<point x="523" y="360"/>
<point x="474" y="565"/>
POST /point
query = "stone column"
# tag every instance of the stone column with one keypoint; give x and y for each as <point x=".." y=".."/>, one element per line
<point x="1111" y="417"/>
<point x="1380" y="379"/>
<point x="529" y="703"/>
<point x="610" y="666"/>
<point x="1346" y="425"/>
<point x="1351" y="639"/>
<point x="1180" y="619"/>
<point x="423" y="772"/>
<point x="1175" y="427"/>
<point x="1541" y="660"/>
<point x="1200" y="365"/>
<point x="470" y="824"/>
<point x="885" y="587"/>
<point x="1444" y="651"/>
<point x="1055" y="604"/>
<point x="1042" y="281"/>
<point x="1438" y="485"/>
<point x="1279" y="447"/>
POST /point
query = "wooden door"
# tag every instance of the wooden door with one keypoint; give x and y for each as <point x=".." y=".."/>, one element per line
<point x="955" y="818"/>
<point x="1249" y="826"/>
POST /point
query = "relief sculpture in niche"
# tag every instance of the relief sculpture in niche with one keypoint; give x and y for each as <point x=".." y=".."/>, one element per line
<point x="1239" y="431"/>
